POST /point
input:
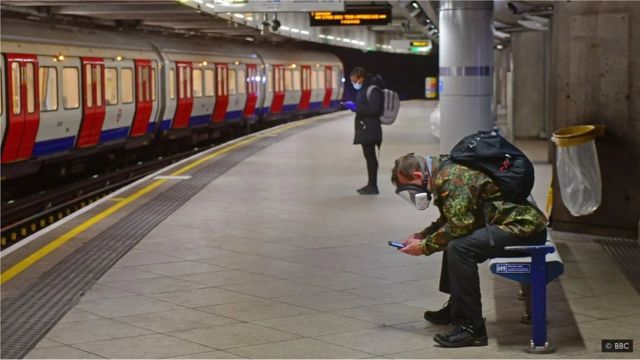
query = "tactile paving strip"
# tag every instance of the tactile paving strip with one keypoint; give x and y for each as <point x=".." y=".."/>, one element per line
<point x="626" y="253"/>
<point x="28" y="317"/>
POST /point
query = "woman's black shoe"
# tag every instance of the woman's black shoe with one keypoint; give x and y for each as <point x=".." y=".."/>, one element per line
<point x="369" y="190"/>
<point x="440" y="317"/>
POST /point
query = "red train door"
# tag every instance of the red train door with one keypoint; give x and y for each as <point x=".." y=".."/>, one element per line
<point x="222" y="93"/>
<point x="278" y="89"/>
<point x="185" y="98"/>
<point x="328" y="83"/>
<point x="143" y="98"/>
<point x="93" y="102"/>
<point x="23" y="107"/>
<point x="252" y="90"/>
<point x="305" y="97"/>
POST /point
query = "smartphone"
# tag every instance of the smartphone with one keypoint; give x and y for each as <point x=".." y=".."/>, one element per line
<point x="396" y="245"/>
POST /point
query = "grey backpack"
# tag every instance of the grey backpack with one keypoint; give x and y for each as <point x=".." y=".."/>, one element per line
<point x="391" y="105"/>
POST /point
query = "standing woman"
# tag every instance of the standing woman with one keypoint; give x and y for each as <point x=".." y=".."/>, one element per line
<point x="368" y="131"/>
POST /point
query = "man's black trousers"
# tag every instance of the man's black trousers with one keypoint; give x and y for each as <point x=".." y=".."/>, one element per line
<point x="459" y="275"/>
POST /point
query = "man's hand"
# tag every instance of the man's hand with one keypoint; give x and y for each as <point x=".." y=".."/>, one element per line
<point x="412" y="247"/>
<point x="410" y="238"/>
<point x="349" y="105"/>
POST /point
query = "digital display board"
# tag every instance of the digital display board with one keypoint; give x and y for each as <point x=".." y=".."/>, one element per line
<point x="350" y="17"/>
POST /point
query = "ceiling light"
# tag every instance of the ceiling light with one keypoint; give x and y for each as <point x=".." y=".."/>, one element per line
<point x="415" y="5"/>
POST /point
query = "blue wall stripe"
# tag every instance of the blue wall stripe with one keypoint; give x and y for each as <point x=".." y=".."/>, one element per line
<point x="53" y="146"/>
<point x="114" y="134"/>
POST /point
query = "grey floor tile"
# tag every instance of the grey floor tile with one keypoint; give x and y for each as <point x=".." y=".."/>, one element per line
<point x="143" y="347"/>
<point x="316" y="324"/>
<point x="156" y="285"/>
<point x="329" y="301"/>
<point x="274" y="289"/>
<point x="202" y="297"/>
<point x="47" y="342"/>
<point x="123" y="306"/>
<point x="145" y="258"/>
<point x="256" y="310"/>
<point x="342" y="281"/>
<point x="179" y="268"/>
<point x="405" y="291"/>
<point x="125" y="273"/>
<point x="61" y="352"/>
<point x="93" y="330"/>
<point x="174" y="320"/>
<point x="380" y="341"/>
<point x="77" y="315"/>
<point x="385" y="314"/>
<point x="299" y="349"/>
<point x="228" y="277"/>
<point x="401" y="273"/>
<point x="98" y="291"/>
<point x="234" y="335"/>
<point x="208" y="355"/>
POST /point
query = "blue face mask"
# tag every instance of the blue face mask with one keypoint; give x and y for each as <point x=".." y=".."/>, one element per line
<point x="357" y="86"/>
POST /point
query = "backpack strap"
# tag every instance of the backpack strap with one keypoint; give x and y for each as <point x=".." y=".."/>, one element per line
<point x="370" y="90"/>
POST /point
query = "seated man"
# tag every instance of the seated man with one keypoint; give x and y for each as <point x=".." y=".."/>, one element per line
<point x="475" y="224"/>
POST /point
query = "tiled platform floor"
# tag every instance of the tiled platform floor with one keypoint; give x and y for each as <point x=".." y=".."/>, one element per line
<point x="280" y="258"/>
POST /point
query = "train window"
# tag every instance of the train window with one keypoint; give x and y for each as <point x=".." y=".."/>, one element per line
<point x="271" y="84"/>
<point x="288" y="80"/>
<point x="242" y="83"/>
<point x="232" y="82"/>
<point x="30" y="87"/>
<point x="172" y="84"/>
<point x="321" y="81"/>
<point x="15" y="88"/>
<point x="97" y="74"/>
<point x="225" y="81"/>
<point x="48" y="88"/>
<point x="334" y="80"/>
<point x="70" y="89"/>
<point x="327" y="77"/>
<point x="208" y="82"/>
<point x="182" y="81"/>
<point x="88" y="85"/>
<point x="296" y="80"/>
<point x="111" y="86"/>
<point x="153" y="84"/>
<point x="187" y="76"/>
<point x="197" y="83"/>
<point x="1" y="94"/>
<point x="126" y="85"/>
<point x="146" y="83"/>
<point x="314" y="80"/>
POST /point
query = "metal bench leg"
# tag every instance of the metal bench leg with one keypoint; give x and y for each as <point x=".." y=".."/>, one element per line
<point x="539" y="343"/>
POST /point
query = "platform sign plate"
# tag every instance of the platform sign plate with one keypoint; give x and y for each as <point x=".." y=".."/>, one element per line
<point x="513" y="268"/>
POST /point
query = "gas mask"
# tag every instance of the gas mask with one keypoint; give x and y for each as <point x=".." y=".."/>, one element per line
<point x="418" y="195"/>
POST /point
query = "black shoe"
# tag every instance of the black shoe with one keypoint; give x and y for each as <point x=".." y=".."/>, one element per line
<point x="440" y="317"/>
<point x="463" y="335"/>
<point x="369" y="190"/>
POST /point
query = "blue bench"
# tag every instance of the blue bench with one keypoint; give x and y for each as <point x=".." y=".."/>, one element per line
<point x="536" y="271"/>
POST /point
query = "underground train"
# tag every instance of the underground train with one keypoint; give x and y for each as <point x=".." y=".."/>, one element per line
<point x="70" y="92"/>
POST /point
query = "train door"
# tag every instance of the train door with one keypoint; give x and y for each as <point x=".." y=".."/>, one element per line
<point x="306" y="87"/>
<point x="328" y="81"/>
<point x="252" y="90"/>
<point x="3" y="90"/>
<point x="185" y="98"/>
<point x="143" y="98"/>
<point x="93" y="102"/>
<point x="222" y="92"/>
<point x="278" y="89"/>
<point x="23" y="108"/>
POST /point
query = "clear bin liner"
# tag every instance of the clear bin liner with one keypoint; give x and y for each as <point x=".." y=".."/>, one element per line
<point x="579" y="177"/>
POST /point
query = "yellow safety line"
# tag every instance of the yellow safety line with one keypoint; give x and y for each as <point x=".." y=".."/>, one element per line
<point x="42" y="252"/>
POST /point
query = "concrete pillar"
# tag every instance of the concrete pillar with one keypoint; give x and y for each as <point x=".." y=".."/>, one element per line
<point x="466" y="64"/>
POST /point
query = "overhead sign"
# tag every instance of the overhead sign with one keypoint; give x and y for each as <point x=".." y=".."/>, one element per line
<point x="414" y="46"/>
<point x="244" y="6"/>
<point x="356" y="16"/>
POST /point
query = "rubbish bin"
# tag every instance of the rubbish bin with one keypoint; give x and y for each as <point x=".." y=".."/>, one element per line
<point x="578" y="168"/>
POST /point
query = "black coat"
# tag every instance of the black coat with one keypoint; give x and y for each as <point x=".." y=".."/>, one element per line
<point x="368" y="111"/>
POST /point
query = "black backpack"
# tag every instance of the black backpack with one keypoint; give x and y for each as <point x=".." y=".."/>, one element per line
<point x="500" y="160"/>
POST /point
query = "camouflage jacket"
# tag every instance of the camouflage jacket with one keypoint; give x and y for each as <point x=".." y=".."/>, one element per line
<point x="462" y="194"/>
